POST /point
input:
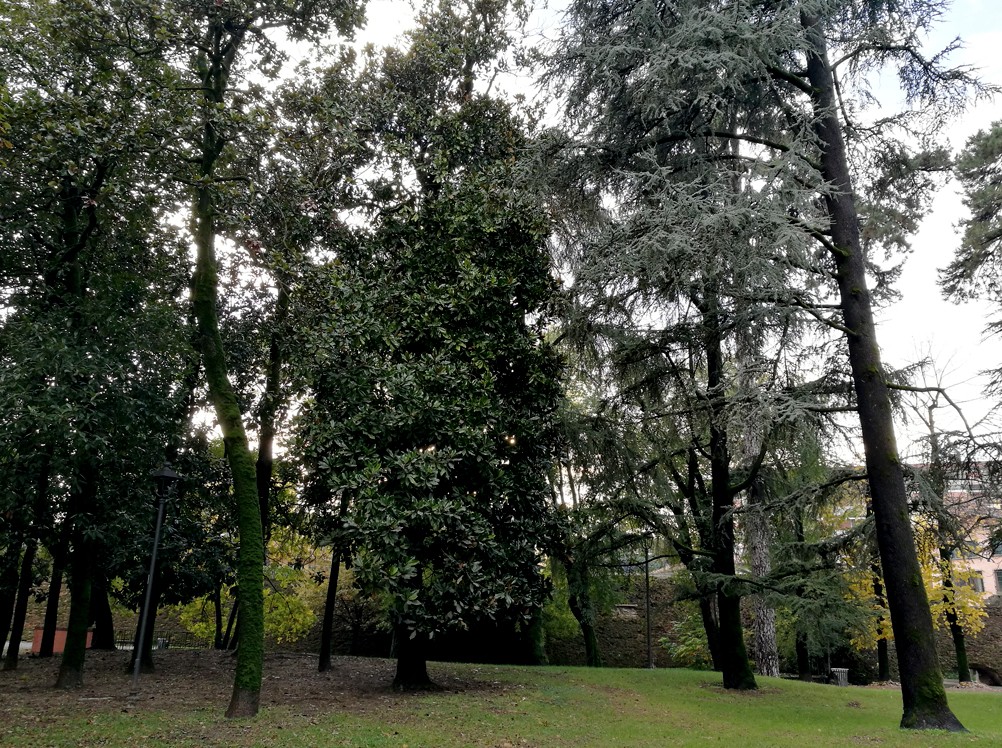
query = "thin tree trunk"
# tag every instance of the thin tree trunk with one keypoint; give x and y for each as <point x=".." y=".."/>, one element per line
<point x="804" y="671"/>
<point x="21" y="606"/>
<point x="52" y="602"/>
<point x="217" y="608"/>
<point x="269" y="406"/>
<point x="229" y="640"/>
<point x="959" y="647"/>
<point x="923" y="696"/>
<point x="953" y="621"/>
<point x="883" y="651"/>
<point x="327" y="630"/>
<point x="338" y="554"/>
<point x="27" y="563"/>
<point x="883" y="660"/>
<point x="9" y="577"/>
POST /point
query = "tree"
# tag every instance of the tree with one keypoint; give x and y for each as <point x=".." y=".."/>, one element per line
<point x="656" y="76"/>
<point x="601" y="507"/>
<point x="432" y="392"/>
<point x="975" y="269"/>
<point x="217" y="38"/>
<point x="439" y="421"/>
<point x="88" y="347"/>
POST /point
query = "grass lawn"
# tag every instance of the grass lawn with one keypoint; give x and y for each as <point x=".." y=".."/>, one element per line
<point x="502" y="707"/>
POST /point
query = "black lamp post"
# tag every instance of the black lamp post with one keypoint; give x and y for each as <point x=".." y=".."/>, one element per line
<point x="164" y="478"/>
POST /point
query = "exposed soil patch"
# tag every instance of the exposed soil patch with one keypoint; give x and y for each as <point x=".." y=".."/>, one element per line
<point x="187" y="680"/>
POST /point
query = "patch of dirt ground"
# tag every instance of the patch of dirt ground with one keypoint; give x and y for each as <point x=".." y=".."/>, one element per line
<point x="187" y="680"/>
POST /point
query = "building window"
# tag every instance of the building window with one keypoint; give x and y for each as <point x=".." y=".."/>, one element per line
<point x="998" y="581"/>
<point x="975" y="581"/>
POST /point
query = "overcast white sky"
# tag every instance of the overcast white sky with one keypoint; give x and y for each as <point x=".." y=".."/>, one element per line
<point x="922" y="321"/>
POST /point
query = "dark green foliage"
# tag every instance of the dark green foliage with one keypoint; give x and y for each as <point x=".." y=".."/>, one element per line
<point x="433" y="410"/>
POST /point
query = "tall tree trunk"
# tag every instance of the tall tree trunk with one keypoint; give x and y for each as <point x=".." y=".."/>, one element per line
<point x="270" y="404"/>
<point x="81" y="572"/>
<point x="100" y="612"/>
<point x="21" y="606"/>
<point x="245" y="700"/>
<point x="412" y="661"/>
<point x="735" y="666"/>
<point x="923" y="696"/>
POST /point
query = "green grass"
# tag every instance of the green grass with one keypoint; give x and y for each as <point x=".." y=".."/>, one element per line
<point x="551" y="707"/>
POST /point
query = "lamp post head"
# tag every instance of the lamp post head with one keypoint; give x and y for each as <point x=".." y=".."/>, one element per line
<point x="165" y="477"/>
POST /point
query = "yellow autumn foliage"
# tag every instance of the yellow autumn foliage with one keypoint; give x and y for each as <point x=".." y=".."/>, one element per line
<point x="959" y="595"/>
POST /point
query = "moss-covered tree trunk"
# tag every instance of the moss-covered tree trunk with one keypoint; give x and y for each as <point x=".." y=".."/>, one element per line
<point x="215" y="62"/>
<point x="250" y="566"/>
<point x="537" y="639"/>
<point x="922" y="692"/>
